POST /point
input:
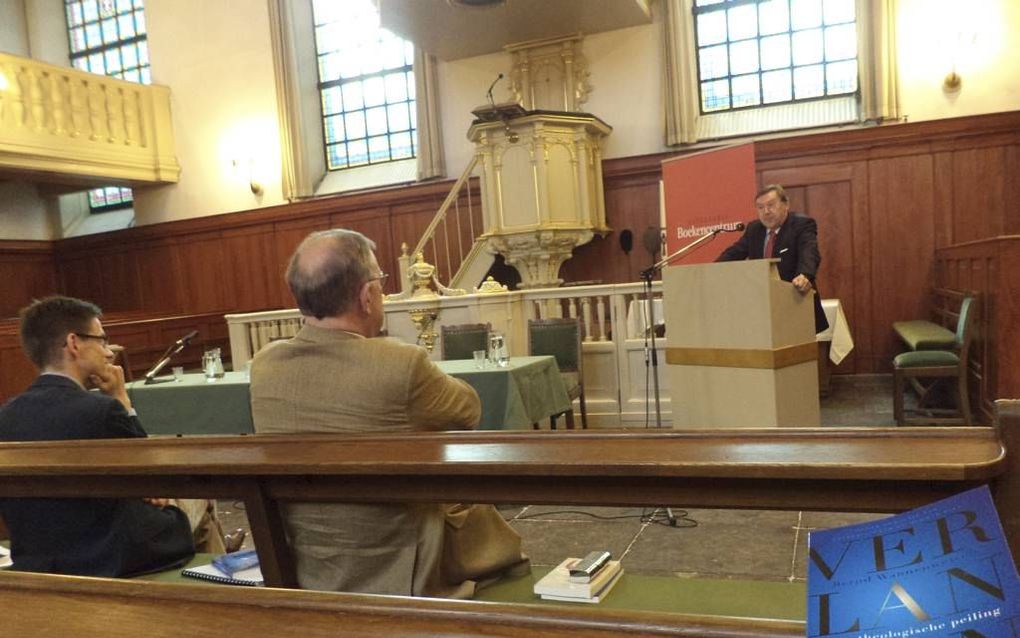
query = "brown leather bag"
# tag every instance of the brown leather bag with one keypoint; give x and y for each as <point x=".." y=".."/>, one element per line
<point x="480" y="545"/>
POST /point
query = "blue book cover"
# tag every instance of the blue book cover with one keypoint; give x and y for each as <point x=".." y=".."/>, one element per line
<point x="944" y="569"/>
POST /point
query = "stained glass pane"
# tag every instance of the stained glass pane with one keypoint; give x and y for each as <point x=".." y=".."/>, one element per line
<point x="396" y="87"/>
<point x="711" y="28"/>
<point x="744" y="57"/>
<point x="398" y="117"/>
<point x="714" y="62"/>
<point x="805" y="14"/>
<point x="715" y="95"/>
<point x="807" y="47"/>
<point x="808" y="82"/>
<point x="376" y="120"/>
<point x="775" y="51"/>
<point x="357" y="153"/>
<point x="378" y="148"/>
<point x="746" y="91"/>
<point x="353" y="98"/>
<point x="743" y="22"/>
<point x="841" y="77"/>
<point x="400" y="146"/>
<point x="354" y="123"/>
<point x="836" y="11"/>
<point x="331" y="102"/>
<point x="375" y="91"/>
<point x="840" y="42"/>
<point x="776" y="86"/>
<point x="774" y="16"/>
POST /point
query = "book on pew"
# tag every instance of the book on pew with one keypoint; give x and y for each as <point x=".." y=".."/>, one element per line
<point x="556" y="585"/>
<point x="944" y="569"/>
<point x="239" y="568"/>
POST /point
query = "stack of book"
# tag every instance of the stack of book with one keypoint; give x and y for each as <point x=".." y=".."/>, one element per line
<point x="579" y="580"/>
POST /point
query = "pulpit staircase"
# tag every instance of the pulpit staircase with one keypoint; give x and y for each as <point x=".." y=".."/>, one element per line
<point x="453" y="242"/>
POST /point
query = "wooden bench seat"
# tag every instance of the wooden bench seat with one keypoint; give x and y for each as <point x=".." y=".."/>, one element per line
<point x="938" y="333"/>
<point x="822" y="469"/>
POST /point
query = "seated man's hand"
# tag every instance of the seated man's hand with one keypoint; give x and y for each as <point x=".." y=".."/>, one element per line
<point x="111" y="381"/>
<point x="158" y="502"/>
<point x="801" y="283"/>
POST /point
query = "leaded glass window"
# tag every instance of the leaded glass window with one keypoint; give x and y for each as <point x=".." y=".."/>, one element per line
<point x="755" y="53"/>
<point x="109" y="37"/>
<point x="366" y="82"/>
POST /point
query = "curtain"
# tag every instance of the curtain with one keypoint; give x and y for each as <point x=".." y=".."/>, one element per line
<point x="680" y="86"/>
<point x="430" y="139"/>
<point x="301" y="141"/>
<point x="876" y="55"/>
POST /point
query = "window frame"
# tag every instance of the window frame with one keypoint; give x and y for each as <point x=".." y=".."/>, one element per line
<point x="725" y="5"/>
<point x="411" y="103"/>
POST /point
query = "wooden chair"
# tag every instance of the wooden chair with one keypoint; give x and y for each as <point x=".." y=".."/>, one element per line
<point x="937" y="365"/>
<point x="561" y="338"/>
<point x="461" y="340"/>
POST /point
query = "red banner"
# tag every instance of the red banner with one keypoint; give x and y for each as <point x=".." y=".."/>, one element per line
<point x="706" y="191"/>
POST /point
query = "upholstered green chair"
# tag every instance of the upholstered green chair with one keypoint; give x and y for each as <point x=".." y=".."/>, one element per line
<point x="561" y="338"/>
<point x="933" y="366"/>
<point x="461" y="340"/>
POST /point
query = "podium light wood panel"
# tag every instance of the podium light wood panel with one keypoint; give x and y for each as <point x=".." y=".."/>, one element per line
<point x="742" y="351"/>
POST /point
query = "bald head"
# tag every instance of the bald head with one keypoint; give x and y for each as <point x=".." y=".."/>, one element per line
<point x="327" y="271"/>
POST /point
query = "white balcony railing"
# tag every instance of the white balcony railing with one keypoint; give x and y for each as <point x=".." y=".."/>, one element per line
<point x="89" y="129"/>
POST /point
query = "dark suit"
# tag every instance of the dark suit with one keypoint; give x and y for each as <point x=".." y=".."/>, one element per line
<point x="796" y="246"/>
<point x="90" y="537"/>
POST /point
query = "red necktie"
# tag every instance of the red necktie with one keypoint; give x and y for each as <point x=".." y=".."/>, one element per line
<point x="770" y="243"/>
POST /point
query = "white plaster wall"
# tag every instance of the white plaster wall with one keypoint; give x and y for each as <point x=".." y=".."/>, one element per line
<point x="47" y="31"/>
<point x="982" y="36"/>
<point x="13" y="35"/>
<point x="23" y="213"/>
<point x="217" y="60"/>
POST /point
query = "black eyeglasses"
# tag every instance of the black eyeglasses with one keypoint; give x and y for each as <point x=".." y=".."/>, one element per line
<point x="104" y="338"/>
<point x="381" y="278"/>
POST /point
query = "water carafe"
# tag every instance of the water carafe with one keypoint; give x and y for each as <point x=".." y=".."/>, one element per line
<point x="498" y="352"/>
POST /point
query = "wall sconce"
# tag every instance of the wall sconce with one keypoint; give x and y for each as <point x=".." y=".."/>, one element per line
<point x="960" y="48"/>
<point x="249" y="174"/>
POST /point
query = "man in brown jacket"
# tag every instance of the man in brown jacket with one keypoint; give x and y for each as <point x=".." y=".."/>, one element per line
<point x="337" y="375"/>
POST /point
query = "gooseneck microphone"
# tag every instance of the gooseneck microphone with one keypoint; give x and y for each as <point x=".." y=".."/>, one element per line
<point x="175" y="347"/>
<point x="736" y="229"/>
<point x="492" y="103"/>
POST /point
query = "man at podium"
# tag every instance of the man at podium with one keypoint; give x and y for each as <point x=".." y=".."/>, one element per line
<point x="792" y="238"/>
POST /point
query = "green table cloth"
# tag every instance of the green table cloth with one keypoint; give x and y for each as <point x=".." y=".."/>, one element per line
<point x="194" y="405"/>
<point x="527" y="391"/>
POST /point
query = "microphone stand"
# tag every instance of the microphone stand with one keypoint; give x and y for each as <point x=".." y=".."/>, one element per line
<point x="150" y="376"/>
<point x="646" y="276"/>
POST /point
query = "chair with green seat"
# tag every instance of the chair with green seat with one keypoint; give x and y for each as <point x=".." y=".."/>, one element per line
<point x="460" y="341"/>
<point x="561" y="338"/>
<point x="934" y="365"/>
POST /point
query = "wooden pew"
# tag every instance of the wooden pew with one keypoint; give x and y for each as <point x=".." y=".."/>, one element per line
<point x="45" y="605"/>
<point x="824" y="469"/>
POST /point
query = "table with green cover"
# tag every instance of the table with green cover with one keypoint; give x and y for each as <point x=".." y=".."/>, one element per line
<point x="527" y="391"/>
<point x="194" y="405"/>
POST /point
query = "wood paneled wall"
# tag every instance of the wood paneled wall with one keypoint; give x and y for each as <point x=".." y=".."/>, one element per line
<point x="886" y="198"/>
<point x="990" y="267"/>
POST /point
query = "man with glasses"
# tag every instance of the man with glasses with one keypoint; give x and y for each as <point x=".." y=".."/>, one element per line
<point x="791" y="237"/>
<point x="64" y="338"/>
<point x="337" y="375"/>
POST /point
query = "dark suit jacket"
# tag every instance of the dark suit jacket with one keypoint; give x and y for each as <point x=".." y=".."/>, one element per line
<point x="90" y="537"/>
<point x="796" y="247"/>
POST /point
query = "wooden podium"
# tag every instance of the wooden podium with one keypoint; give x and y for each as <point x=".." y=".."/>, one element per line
<point x="741" y="347"/>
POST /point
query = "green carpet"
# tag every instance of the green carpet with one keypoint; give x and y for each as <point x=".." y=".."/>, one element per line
<point x="712" y="597"/>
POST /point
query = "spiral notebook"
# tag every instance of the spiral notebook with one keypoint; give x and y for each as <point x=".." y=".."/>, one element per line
<point x="251" y="577"/>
